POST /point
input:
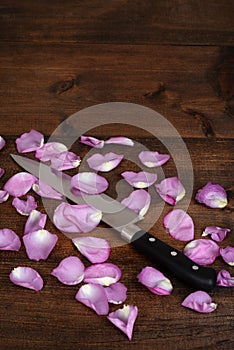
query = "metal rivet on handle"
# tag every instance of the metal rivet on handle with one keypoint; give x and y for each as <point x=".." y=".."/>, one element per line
<point x="195" y="267"/>
<point x="152" y="239"/>
<point x="173" y="253"/>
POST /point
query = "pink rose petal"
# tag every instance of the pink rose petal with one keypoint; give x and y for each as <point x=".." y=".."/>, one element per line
<point x="2" y="142"/>
<point x="70" y="271"/>
<point x="171" y="190"/>
<point x="44" y="190"/>
<point x="139" y="201"/>
<point x="202" y="251"/>
<point x="39" y="244"/>
<point x="199" y="301"/>
<point x="2" y="172"/>
<point x="36" y="221"/>
<point x="94" y="296"/>
<point x="224" y="279"/>
<point x="49" y="150"/>
<point x="96" y="250"/>
<point x="116" y="293"/>
<point x="217" y="233"/>
<point x="104" y="274"/>
<point x="4" y="195"/>
<point x="91" y="141"/>
<point x="65" y="160"/>
<point x="105" y="162"/>
<point x="124" y="319"/>
<point x="120" y="140"/>
<point x="212" y="195"/>
<point x="141" y="179"/>
<point x="228" y="255"/>
<point x="24" y="207"/>
<point x="29" y="141"/>
<point x="19" y="184"/>
<point x="9" y="240"/>
<point x="155" y="281"/>
<point x="76" y="218"/>
<point x="153" y="159"/>
<point x="89" y="183"/>
<point x="26" y="277"/>
<point x="179" y="224"/>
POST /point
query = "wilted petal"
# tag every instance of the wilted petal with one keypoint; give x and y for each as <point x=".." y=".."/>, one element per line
<point x="2" y="142"/>
<point x="202" y="251"/>
<point x="104" y="274"/>
<point x="91" y="141"/>
<point x="171" y="190"/>
<point x="105" y="162"/>
<point x="2" y="172"/>
<point x="120" y="140"/>
<point x="36" y="221"/>
<point x="217" y="233"/>
<point x="155" y="281"/>
<point x="212" y="195"/>
<point x="179" y="225"/>
<point x="141" y="179"/>
<point x="93" y="296"/>
<point x="44" y="190"/>
<point x="89" y="183"/>
<point x="76" y="218"/>
<point x="4" y="195"/>
<point x="26" y="277"/>
<point x="9" y="240"/>
<point x="70" y="271"/>
<point x="139" y="201"/>
<point x="39" y="244"/>
<point x="124" y="319"/>
<point x="65" y="160"/>
<point x="228" y="255"/>
<point x="153" y="159"/>
<point x="24" y="207"/>
<point x="50" y="150"/>
<point x="19" y="184"/>
<point x="29" y="141"/>
<point x="96" y="250"/>
<point x="116" y="293"/>
<point x="199" y="301"/>
<point x="224" y="279"/>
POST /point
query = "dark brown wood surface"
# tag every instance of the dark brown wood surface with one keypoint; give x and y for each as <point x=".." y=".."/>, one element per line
<point x="176" y="57"/>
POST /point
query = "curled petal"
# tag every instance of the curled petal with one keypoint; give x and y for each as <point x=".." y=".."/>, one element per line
<point x="76" y="218"/>
<point x="124" y="319"/>
<point x="116" y="293"/>
<point x="26" y="277"/>
<point x="9" y="240"/>
<point x="50" y="150"/>
<point x="89" y="183"/>
<point x="29" y="141"/>
<point x="39" y="244"/>
<point x="120" y="140"/>
<point x="4" y="195"/>
<point x="2" y="142"/>
<point x="155" y="281"/>
<point x="224" y="279"/>
<point x="171" y="190"/>
<point x="153" y="159"/>
<point x="44" y="190"/>
<point x="24" y="207"/>
<point x="105" y="162"/>
<point x="19" y="184"/>
<point x="228" y="255"/>
<point x="70" y="271"/>
<point x="202" y="251"/>
<point x="96" y="250"/>
<point x="141" y="179"/>
<point x="199" y="301"/>
<point x="65" y="160"/>
<point x="212" y="195"/>
<point x="36" y="221"/>
<point x="91" y="141"/>
<point x="2" y="172"/>
<point x="217" y="233"/>
<point x="179" y="224"/>
<point x="139" y="201"/>
<point x="93" y="296"/>
<point x="104" y="274"/>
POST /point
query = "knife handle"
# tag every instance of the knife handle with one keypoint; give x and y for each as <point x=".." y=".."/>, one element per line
<point x="196" y="276"/>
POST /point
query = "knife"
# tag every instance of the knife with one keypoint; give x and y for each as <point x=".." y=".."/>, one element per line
<point x="124" y="220"/>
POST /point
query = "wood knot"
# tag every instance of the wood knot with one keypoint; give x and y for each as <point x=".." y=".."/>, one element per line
<point x="64" y="85"/>
<point x="160" y="87"/>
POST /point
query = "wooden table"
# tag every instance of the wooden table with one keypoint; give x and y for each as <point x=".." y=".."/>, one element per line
<point x="176" y="57"/>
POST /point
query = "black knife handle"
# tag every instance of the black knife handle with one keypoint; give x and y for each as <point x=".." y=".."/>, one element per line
<point x="196" y="276"/>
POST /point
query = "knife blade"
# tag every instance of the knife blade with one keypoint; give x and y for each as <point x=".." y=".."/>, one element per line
<point x="124" y="220"/>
